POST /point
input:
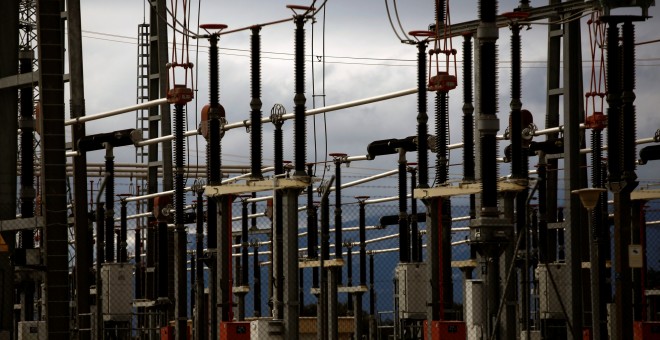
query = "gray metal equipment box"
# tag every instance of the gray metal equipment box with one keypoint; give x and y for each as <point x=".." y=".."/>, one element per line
<point x="118" y="289"/>
<point x="32" y="330"/>
<point x="412" y="285"/>
<point x="553" y="287"/>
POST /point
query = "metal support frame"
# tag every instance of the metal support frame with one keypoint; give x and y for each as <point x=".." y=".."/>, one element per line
<point x="55" y="238"/>
<point x="9" y="11"/>
<point x="27" y="147"/>
<point x="159" y="120"/>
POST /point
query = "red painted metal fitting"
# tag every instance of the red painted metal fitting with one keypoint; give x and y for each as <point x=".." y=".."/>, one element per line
<point x="180" y="94"/>
<point x="597" y="121"/>
<point x="442" y="81"/>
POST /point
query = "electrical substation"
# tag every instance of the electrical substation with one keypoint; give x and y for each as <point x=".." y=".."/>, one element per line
<point x="550" y="231"/>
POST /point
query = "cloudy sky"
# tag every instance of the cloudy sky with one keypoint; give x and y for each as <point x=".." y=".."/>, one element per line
<point x="354" y="55"/>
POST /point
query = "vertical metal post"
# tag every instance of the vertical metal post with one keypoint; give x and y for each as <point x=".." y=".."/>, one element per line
<point x="415" y="246"/>
<point x="573" y="105"/>
<point x="98" y="329"/>
<point x="139" y="267"/>
<point x="256" y="274"/>
<point x="245" y="280"/>
<point x="100" y="234"/>
<point x="53" y="170"/>
<point x="193" y="275"/>
<point x="159" y="123"/>
<point x="301" y="291"/>
<point x="82" y="234"/>
<point x="278" y="256"/>
<point x="372" y="299"/>
<point x="404" y="232"/>
<point x="554" y="92"/>
<point x="27" y="192"/>
<point x="224" y="259"/>
<point x="158" y="88"/>
<point x="290" y="265"/>
<point x="200" y="310"/>
<point x="363" y="266"/>
<point x="109" y="203"/>
<point x="326" y="296"/>
<point x="162" y="264"/>
<point x="338" y="217"/>
<point x="312" y="227"/>
<point x="349" y="275"/>
<point x="598" y="326"/>
<point x="122" y="251"/>
<point x="333" y="314"/>
<point x="238" y="281"/>
<point x="9" y="34"/>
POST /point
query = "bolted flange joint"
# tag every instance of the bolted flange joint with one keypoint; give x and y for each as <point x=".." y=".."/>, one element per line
<point x="488" y="124"/>
<point x="489" y="234"/>
<point x="487" y="31"/>
<point x="255" y="104"/>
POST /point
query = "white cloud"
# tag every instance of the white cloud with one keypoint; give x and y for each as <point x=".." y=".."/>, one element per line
<point x="352" y="29"/>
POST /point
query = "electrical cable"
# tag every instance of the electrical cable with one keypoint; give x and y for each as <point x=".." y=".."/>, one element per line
<point x="334" y="56"/>
<point x="396" y="12"/>
<point x="172" y="26"/>
<point x="647" y="42"/>
<point x="320" y="7"/>
<point x="389" y="17"/>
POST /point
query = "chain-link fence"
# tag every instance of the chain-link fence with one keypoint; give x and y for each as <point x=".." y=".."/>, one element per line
<point x="364" y="290"/>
